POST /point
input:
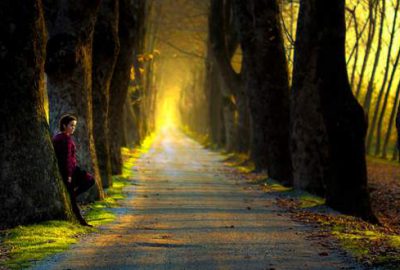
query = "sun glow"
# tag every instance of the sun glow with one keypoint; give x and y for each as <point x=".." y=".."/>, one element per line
<point x="167" y="110"/>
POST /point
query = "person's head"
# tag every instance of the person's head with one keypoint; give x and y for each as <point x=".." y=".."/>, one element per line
<point x="68" y="124"/>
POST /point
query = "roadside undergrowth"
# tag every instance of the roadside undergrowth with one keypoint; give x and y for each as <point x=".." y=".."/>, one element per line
<point x="371" y="245"/>
<point x="200" y="138"/>
<point x="21" y="246"/>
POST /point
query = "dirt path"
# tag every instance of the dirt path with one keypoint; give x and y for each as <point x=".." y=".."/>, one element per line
<point x="183" y="214"/>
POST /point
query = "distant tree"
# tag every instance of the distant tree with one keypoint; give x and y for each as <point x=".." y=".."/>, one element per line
<point x="68" y="67"/>
<point x="224" y="41"/>
<point x="372" y="16"/>
<point x="384" y="88"/>
<point x="266" y="85"/>
<point x="31" y="188"/>
<point x="105" y="53"/>
<point x="320" y="46"/>
<point x="371" y="82"/>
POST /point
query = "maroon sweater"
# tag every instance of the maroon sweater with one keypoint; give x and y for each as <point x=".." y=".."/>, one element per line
<point x="65" y="150"/>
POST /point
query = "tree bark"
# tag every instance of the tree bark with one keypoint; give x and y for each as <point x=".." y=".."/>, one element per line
<point x="31" y="189"/>
<point x="217" y="126"/>
<point x="130" y="124"/>
<point x="266" y="85"/>
<point x="69" y="76"/>
<point x="383" y="109"/>
<point x="105" y="53"/>
<point x="372" y="4"/>
<point x="391" y="120"/>
<point x="384" y="86"/>
<point x="121" y="78"/>
<point x="371" y="86"/>
<point x="308" y="131"/>
<point x="343" y="117"/>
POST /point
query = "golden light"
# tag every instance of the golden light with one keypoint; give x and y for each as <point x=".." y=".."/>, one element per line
<point x="167" y="114"/>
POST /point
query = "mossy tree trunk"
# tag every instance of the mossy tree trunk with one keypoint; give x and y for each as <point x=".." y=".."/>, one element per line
<point x="266" y="85"/>
<point x="69" y="76"/>
<point x="105" y="53"/>
<point x="31" y="188"/>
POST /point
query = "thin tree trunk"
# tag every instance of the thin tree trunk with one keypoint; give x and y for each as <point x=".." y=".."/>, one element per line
<point x="31" y="189"/>
<point x="356" y="47"/>
<point x="384" y="80"/>
<point x="105" y="53"/>
<point x="383" y="110"/>
<point x="391" y="121"/>
<point x="371" y="87"/>
<point x="371" y="34"/>
<point x="69" y="76"/>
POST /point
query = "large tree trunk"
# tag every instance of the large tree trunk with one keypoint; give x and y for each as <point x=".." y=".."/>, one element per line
<point x="323" y="24"/>
<point x="309" y="143"/>
<point x="105" y="52"/>
<point x="121" y="79"/>
<point x="31" y="188"/>
<point x="69" y="76"/>
<point x="266" y="85"/>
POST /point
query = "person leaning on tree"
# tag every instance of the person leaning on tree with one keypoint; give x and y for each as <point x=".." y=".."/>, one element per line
<point x="76" y="179"/>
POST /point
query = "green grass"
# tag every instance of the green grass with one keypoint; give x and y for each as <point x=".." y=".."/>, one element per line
<point x="308" y="200"/>
<point x="203" y="139"/>
<point x="35" y="242"/>
<point x="365" y="244"/>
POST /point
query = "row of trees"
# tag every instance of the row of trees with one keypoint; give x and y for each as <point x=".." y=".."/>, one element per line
<point x="92" y="55"/>
<point x="304" y="126"/>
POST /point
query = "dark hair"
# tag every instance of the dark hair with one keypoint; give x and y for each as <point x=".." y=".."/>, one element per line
<point x="65" y="120"/>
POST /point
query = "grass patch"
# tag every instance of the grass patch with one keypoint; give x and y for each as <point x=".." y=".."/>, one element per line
<point x="27" y="244"/>
<point x="370" y="244"/>
<point x="382" y="160"/>
<point x="203" y="139"/>
<point x="308" y="200"/>
<point x="241" y="162"/>
<point x="273" y="186"/>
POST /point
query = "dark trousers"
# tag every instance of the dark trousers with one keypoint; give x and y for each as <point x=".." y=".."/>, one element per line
<point x="81" y="182"/>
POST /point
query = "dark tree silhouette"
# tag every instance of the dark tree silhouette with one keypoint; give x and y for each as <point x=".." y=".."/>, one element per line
<point x="128" y="19"/>
<point x="105" y="52"/>
<point x="266" y="85"/>
<point x="31" y="188"/>
<point x="321" y="40"/>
